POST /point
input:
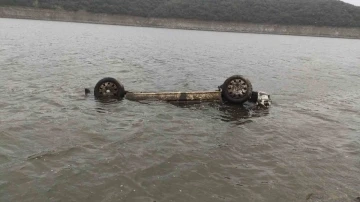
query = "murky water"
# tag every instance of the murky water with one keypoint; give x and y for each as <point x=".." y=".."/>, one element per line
<point x="58" y="145"/>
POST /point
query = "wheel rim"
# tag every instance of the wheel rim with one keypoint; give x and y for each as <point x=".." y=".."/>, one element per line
<point x="108" y="89"/>
<point x="237" y="88"/>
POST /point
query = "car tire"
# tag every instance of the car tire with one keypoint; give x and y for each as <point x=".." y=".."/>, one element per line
<point x="109" y="88"/>
<point x="236" y="89"/>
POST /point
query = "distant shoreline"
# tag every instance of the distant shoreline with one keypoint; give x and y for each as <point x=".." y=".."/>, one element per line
<point x="86" y="17"/>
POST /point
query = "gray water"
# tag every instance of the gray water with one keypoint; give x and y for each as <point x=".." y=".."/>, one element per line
<point x="56" y="144"/>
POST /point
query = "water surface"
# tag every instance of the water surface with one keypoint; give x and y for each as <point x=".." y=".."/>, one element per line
<point x="58" y="145"/>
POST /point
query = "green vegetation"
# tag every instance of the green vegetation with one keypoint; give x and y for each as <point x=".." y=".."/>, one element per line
<point x="295" y="12"/>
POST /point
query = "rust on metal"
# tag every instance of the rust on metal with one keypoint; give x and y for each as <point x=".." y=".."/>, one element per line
<point x="175" y="96"/>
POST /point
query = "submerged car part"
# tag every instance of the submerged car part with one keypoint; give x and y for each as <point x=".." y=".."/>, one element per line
<point x="235" y="90"/>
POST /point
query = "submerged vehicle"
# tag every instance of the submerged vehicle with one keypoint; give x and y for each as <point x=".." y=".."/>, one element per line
<point x="235" y="90"/>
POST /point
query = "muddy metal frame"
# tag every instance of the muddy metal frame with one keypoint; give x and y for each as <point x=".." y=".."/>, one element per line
<point x="235" y="90"/>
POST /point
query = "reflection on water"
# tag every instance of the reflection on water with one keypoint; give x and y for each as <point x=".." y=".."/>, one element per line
<point x="228" y="112"/>
<point x="237" y="114"/>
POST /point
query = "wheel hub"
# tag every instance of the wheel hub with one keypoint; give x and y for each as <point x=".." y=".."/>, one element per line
<point x="237" y="88"/>
<point x="108" y="89"/>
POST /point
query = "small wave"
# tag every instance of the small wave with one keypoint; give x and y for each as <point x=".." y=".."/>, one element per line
<point x="52" y="153"/>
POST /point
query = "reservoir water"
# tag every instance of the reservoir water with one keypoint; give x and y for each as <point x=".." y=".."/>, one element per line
<point x="58" y="145"/>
